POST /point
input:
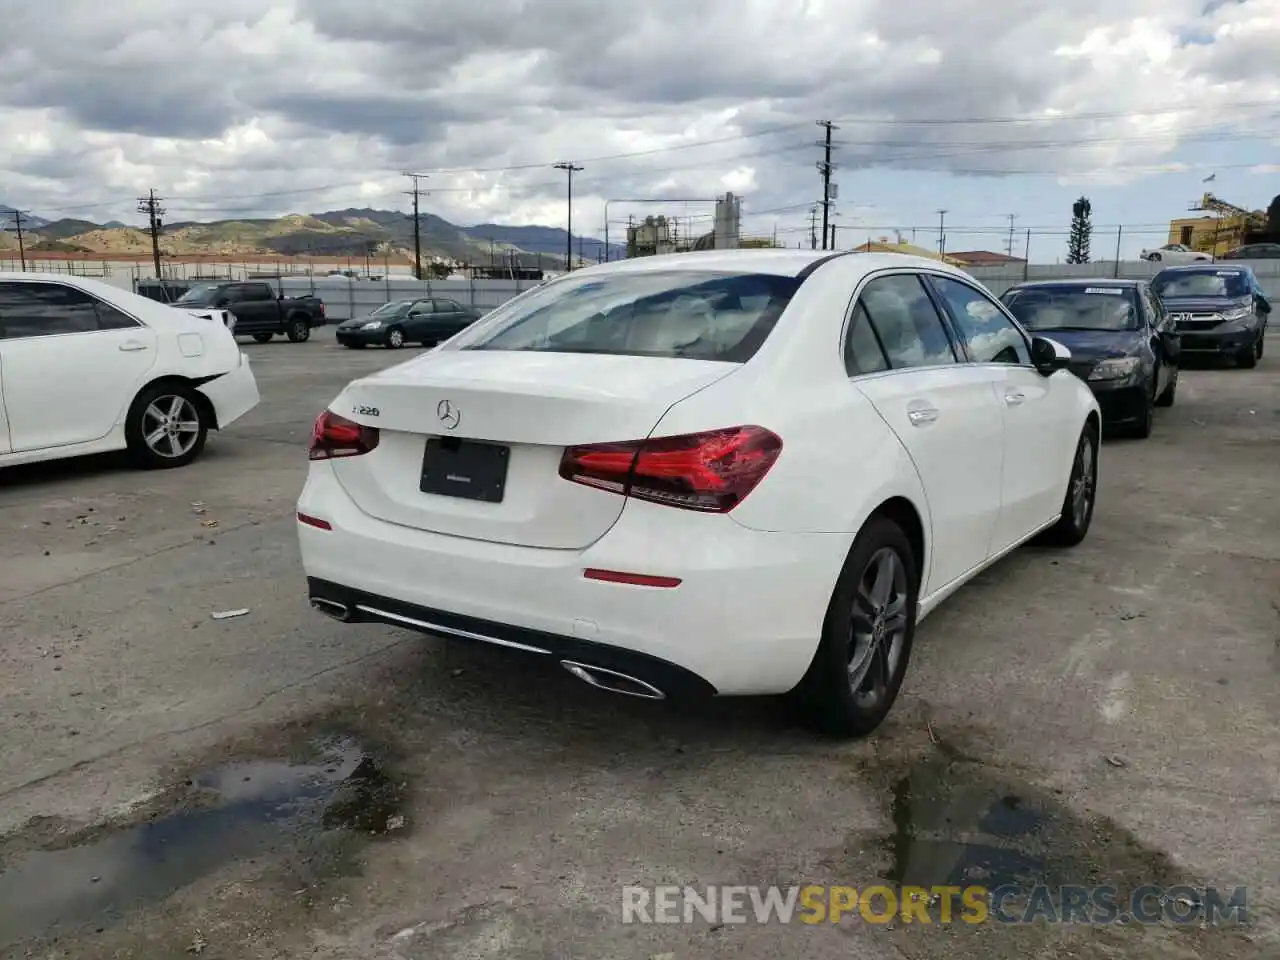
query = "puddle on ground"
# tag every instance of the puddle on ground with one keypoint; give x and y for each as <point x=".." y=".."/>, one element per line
<point x="234" y="812"/>
<point x="956" y="823"/>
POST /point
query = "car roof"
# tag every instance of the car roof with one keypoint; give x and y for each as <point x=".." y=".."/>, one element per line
<point x="782" y="263"/>
<point x="1206" y="267"/>
<point x="1077" y="282"/>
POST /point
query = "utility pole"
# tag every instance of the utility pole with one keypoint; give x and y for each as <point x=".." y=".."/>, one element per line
<point x="825" y="167"/>
<point x="150" y="205"/>
<point x="813" y="228"/>
<point x="417" y="229"/>
<point x="570" y="169"/>
<point x="942" y="231"/>
<point x="22" y="250"/>
<point x="1009" y="244"/>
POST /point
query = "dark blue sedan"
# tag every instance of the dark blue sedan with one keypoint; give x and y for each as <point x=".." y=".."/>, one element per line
<point x="1122" y="342"/>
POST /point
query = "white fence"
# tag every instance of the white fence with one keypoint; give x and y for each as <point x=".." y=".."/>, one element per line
<point x="353" y="298"/>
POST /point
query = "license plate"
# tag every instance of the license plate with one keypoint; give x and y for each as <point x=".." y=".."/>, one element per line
<point x="466" y="469"/>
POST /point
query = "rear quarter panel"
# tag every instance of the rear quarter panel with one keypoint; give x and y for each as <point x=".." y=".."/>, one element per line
<point x="839" y="459"/>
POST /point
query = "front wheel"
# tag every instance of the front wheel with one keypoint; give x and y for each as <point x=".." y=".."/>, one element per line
<point x="263" y="337"/>
<point x="1155" y="258"/>
<point x="1082" y="486"/>
<point x="166" y="427"/>
<point x="1166" y="399"/>
<point x="299" y="330"/>
<point x="865" y="646"/>
<point x="395" y="338"/>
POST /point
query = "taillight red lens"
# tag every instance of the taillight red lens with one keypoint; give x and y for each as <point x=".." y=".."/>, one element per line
<point x="334" y="436"/>
<point x="712" y="471"/>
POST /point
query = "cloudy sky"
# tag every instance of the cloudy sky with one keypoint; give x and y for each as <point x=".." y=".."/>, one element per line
<point x="258" y="107"/>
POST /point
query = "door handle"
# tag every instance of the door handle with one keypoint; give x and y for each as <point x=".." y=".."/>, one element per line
<point x="131" y="346"/>
<point x="1014" y="397"/>
<point x="922" y="416"/>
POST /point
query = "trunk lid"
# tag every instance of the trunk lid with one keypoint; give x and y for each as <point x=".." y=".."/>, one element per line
<point x="533" y="404"/>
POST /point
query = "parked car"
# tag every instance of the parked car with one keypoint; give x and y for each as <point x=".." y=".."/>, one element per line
<point x="1122" y="342"/>
<point x="1217" y="310"/>
<point x="88" y="368"/>
<point x="425" y="320"/>
<point x="1175" y="253"/>
<point x="258" y="311"/>
<point x="704" y="473"/>
<point x="1254" y="251"/>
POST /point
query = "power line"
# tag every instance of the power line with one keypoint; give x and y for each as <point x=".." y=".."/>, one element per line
<point x="150" y="205"/>
<point x="417" y="230"/>
<point x="570" y="169"/>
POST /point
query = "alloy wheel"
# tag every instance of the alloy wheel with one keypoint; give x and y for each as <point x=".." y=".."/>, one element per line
<point x="170" y="426"/>
<point x="877" y="626"/>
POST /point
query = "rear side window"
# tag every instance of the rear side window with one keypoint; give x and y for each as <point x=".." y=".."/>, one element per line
<point x="678" y="313"/>
<point x="862" y="350"/>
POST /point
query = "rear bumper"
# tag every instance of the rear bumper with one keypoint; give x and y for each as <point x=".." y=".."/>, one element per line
<point x="233" y="394"/>
<point x="745" y="618"/>
<point x="671" y="679"/>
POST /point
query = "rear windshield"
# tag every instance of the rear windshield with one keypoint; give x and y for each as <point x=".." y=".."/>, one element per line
<point x="676" y="313"/>
<point x="1074" y="308"/>
<point x="1201" y="283"/>
<point x="201" y="295"/>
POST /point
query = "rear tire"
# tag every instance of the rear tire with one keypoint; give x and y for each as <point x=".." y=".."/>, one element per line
<point x="166" y="427"/>
<point x="1082" y="489"/>
<point x="263" y="337"/>
<point x="865" y="647"/>
<point x="299" y="330"/>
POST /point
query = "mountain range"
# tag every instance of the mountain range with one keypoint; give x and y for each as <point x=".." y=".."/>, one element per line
<point x="354" y="233"/>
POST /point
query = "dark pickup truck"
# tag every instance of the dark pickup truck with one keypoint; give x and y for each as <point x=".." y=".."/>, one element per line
<point x="258" y="312"/>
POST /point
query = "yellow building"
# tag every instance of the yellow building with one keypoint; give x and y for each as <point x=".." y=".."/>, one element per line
<point x="1216" y="234"/>
<point x="884" y="246"/>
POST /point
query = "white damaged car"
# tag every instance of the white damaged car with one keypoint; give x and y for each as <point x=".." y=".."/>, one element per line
<point x="89" y="368"/>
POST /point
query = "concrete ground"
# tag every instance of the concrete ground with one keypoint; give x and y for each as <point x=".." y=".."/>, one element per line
<point x="278" y="785"/>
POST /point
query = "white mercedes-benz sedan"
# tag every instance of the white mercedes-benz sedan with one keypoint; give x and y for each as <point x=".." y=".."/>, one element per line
<point x="732" y="472"/>
<point x="87" y="368"/>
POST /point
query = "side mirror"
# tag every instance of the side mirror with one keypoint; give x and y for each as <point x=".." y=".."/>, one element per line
<point x="1049" y="356"/>
<point x="1263" y="303"/>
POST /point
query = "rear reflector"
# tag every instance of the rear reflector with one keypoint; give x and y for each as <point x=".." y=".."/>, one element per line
<point x="712" y="471"/>
<point x="334" y="436"/>
<point x="635" y="579"/>
<point x="316" y="522"/>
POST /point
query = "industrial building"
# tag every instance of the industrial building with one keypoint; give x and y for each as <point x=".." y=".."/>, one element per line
<point x="1223" y="227"/>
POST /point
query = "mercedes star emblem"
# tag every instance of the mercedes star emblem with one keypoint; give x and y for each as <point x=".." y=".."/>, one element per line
<point x="448" y="415"/>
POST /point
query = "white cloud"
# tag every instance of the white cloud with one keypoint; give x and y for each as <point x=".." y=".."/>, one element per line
<point x="257" y="106"/>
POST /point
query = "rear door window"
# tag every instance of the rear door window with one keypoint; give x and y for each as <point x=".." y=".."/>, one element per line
<point x="905" y="324"/>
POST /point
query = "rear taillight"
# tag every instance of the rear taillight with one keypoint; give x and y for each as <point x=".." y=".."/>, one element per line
<point x="712" y="471"/>
<point x="322" y="313"/>
<point x="335" y="436"/>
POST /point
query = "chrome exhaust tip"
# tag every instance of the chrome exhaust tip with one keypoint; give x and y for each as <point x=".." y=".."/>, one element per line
<point x="613" y="681"/>
<point x="332" y="608"/>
